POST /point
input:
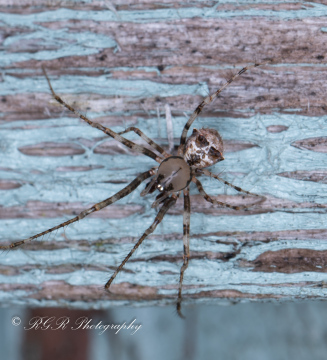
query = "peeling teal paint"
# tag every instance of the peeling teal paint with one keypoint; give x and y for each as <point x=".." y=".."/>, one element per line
<point x="92" y="229"/>
<point x="142" y="16"/>
<point x="102" y="85"/>
<point x="65" y="43"/>
<point x="255" y="168"/>
<point x="272" y="146"/>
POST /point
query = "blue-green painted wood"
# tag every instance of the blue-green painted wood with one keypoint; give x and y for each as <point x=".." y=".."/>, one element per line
<point x="256" y="168"/>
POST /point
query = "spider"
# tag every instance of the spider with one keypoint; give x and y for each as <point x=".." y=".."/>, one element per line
<point x="174" y="175"/>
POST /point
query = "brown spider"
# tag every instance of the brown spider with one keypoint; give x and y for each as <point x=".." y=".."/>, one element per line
<point x="174" y="174"/>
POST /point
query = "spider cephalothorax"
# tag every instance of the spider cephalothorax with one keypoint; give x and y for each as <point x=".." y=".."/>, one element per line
<point x="173" y="176"/>
<point x="202" y="149"/>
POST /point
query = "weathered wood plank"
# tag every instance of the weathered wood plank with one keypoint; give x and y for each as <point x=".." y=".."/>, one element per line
<point x="121" y="66"/>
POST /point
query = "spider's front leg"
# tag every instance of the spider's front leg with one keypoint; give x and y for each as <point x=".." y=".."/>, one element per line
<point x="122" y="193"/>
<point x="186" y="246"/>
<point x="162" y="212"/>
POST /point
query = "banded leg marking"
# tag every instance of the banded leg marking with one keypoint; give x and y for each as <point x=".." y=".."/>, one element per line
<point x="207" y="101"/>
<point x="145" y="138"/>
<point x="211" y="200"/>
<point x="237" y="188"/>
<point x="186" y="246"/>
<point x="107" y="131"/>
<point x="122" y="193"/>
<point x="165" y="207"/>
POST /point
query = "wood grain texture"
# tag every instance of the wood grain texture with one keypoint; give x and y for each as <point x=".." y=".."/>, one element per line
<point x="120" y="63"/>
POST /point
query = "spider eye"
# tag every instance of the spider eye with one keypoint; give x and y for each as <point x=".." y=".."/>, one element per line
<point x="160" y="187"/>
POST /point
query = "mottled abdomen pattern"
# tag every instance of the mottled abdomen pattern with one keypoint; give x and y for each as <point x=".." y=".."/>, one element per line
<point x="204" y="148"/>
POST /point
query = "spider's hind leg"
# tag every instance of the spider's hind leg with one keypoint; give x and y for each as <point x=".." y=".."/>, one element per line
<point x="186" y="247"/>
<point x="139" y="148"/>
<point x="237" y="188"/>
<point x="207" y="101"/>
<point x="146" y="139"/>
<point x="211" y="200"/>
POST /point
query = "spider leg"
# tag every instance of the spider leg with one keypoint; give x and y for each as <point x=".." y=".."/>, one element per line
<point x="211" y="200"/>
<point x="107" y="131"/>
<point x="122" y="193"/>
<point x="160" y="198"/>
<point x="165" y="207"/>
<point x="210" y="174"/>
<point x="145" y="138"/>
<point x="207" y="101"/>
<point x="186" y="246"/>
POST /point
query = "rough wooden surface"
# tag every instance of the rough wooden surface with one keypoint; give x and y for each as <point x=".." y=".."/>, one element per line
<point x="120" y="64"/>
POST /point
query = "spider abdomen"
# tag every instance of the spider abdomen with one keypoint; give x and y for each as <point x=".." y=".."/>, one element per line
<point x="204" y="148"/>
